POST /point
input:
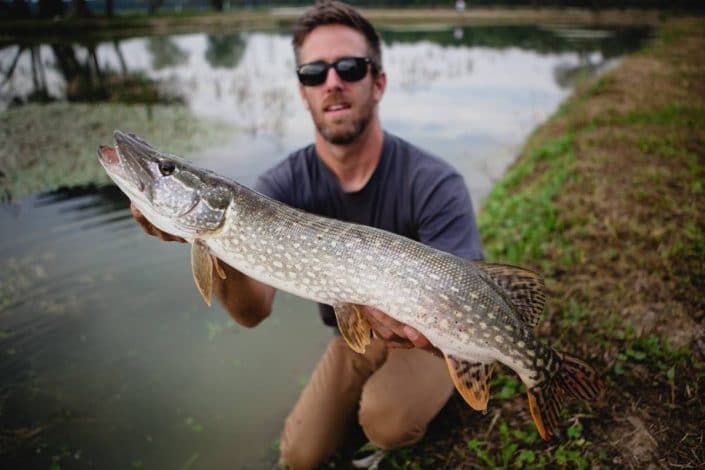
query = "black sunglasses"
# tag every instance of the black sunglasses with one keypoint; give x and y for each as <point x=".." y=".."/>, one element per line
<point x="350" y="69"/>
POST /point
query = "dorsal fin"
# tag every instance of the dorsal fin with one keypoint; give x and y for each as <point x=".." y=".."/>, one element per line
<point x="524" y="289"/>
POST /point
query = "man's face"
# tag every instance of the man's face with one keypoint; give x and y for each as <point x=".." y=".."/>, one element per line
<point x="340" y="110"/>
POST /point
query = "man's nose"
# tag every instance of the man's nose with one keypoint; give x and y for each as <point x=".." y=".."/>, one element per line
<point x="333" y="80"/>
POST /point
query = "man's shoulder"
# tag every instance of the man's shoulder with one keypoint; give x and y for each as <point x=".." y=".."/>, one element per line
<point x="296" y="161"/>
<point x="417" y="159"/>
<point x="278" y="181"/>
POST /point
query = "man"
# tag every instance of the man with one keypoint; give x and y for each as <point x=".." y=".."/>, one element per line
<point x="357" y="172"/>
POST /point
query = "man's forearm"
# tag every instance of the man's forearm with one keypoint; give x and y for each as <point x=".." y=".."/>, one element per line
<point x="247" y="301"/>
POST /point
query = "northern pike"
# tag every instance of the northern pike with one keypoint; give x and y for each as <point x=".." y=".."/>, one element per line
<point x="474" y="313"/>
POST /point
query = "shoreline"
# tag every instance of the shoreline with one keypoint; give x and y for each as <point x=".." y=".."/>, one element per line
<point x="22" y="30"/>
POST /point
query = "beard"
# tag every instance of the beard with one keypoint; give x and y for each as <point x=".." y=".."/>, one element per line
<point x="344" y="133"/>
<point x="348" y="134"/>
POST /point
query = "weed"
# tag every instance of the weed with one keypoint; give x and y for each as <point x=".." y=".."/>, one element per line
<point x="521" y="449"/>
<point x="520" y="225"/>
<point x="601" y="86"/>
<point x="509" y="386"/>
<point x="63" y="160"/>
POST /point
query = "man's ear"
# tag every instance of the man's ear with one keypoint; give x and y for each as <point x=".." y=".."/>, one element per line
<point x="303" y="97"/>
<point x="380" y="84"/>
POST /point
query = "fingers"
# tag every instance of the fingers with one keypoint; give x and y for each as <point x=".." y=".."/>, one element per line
<point x="151" y="229"/>
<point x="419" y="340"/>
<point x="394" y="332"/>
<point x="385" y="326"/>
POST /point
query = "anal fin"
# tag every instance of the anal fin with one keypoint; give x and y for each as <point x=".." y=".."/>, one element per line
<point x="353" y="326"/>
<point x="472" y="380"/>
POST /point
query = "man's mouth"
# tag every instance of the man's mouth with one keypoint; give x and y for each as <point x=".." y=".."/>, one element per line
<point x="335" y="108"/>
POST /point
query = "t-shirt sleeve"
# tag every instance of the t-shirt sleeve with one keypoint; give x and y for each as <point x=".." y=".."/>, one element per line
<point x="446" y="220"/>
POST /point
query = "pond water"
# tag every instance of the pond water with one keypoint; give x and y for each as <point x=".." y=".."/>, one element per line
<point x="108" y="356"/>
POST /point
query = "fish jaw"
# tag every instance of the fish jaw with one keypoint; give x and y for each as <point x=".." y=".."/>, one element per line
<point x="118" y="169"/>
<point x="175" y="196"/>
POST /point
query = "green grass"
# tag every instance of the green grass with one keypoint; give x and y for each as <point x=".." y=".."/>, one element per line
<point x="520" y="224"/>
<point x="520" y="449"/>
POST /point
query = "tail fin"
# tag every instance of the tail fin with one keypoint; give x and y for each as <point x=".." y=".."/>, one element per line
<point x="573" y="379"/>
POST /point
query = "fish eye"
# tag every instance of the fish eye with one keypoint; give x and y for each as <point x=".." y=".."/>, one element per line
<point x="166" y="167"/>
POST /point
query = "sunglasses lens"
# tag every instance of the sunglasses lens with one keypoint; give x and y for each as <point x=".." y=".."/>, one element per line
<point x="352" y="69"/>
<point x="313" y="74"/>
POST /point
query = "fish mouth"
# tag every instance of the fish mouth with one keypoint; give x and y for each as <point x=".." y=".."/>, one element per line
<point x="108" y="155"/>
<point x="129" y="144"/>
<point x="126" y="162"/>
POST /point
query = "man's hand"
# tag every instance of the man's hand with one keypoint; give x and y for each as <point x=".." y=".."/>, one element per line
<point x="151" y="229"/>
<point x="396" y="333"/>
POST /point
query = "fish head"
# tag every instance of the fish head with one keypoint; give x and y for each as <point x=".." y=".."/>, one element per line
<point x="173" y="194"/>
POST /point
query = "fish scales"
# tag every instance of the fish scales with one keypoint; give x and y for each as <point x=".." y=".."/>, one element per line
<point x="474" y="313"/>
<point x="335" y="257"/>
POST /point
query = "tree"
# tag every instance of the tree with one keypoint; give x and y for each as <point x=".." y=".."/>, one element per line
<point x="80" y="8"/>
<point x="154" y="5"/>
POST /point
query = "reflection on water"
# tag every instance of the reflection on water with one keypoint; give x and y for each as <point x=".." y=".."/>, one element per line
<point x="108" y="356"/>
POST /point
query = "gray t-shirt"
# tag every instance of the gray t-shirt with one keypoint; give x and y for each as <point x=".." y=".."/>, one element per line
<point x="411" y="193"/>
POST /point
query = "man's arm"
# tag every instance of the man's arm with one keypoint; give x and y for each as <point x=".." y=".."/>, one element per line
<point x="247" y="301"/>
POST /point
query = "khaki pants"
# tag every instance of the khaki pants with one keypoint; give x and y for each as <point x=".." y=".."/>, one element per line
<point x="398" y="392"/>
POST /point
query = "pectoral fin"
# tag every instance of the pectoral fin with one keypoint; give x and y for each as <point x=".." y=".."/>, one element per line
<point x="218" y="268"/>
<point x="202" y="268"/>
<point x="353" y="326"/>
<point x="472" y="380"/>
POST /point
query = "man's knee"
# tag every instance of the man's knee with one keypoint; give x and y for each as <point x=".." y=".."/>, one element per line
<point x="390" y="427"/>
<point x="301" y="455"/>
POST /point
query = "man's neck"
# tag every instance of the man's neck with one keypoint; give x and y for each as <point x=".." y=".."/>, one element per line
<point x="353" y="164"/>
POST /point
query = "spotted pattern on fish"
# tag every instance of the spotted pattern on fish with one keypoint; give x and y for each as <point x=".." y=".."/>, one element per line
<point x="475" y="313"/>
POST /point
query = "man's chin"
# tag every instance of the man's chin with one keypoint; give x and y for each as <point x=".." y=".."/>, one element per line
<point x="342" y="136"/>
<point x="341" y="139"/>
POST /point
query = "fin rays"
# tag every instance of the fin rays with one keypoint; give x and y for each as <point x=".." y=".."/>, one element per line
<point x="471" y="379"/>
<point x="524" y="289"/>
<point x="353" y="326"/>
<point x="574" y="379"/>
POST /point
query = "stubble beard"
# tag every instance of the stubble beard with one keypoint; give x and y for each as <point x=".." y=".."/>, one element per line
<point x="345" y="136"/>
<point x="350" y="132"/>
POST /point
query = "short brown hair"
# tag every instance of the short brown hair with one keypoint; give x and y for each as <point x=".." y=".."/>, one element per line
<point x="332" y="12"/>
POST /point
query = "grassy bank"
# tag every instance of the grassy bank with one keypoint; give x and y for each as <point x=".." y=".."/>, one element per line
<point x="40" y="151"/>
<point x="607" y="201"/>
